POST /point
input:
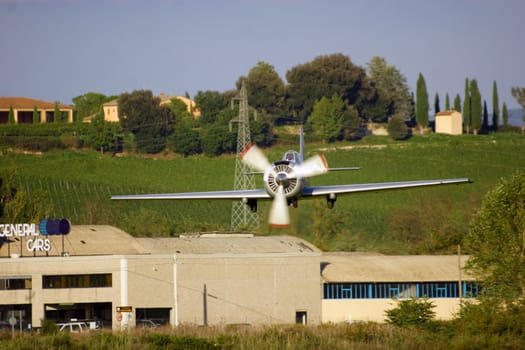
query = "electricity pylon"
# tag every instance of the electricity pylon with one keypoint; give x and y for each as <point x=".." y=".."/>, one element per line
<point x="242" y="217"/>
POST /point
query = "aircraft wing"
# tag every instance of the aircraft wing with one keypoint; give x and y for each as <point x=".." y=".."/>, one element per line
<point x="233" y="194"/>
<point x="371" y="187"/>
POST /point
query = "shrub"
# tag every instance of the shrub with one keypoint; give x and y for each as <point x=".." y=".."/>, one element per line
<point x="397" y="128"/>
<point x="411" y="312"/>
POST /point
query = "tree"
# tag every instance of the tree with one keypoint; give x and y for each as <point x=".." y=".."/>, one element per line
<point x="326" y="119"/>
<point x="323" y="77"/>
<point x="18" y="206"/>
<point x="495" y="106"/>
<point x="391" y="85"/>
<point x="265" y="89"/>
<point x="57" y="115"/>
<point x="397" y="129"/>
<point x="505" y="114"/>
<point x="179" y="110"/>
<point x="150" y="123"/>
<point x="475" y="106"/>
<point x="185" y="139"/>
<point x="36" y="115"/>
<point x="485" y="124"/>
<point x="437" y="109"/>
<point x="210" y="104"/>
<point x="421" y="103"/>
<point x="496" y="240"/>
<point x="104" y="136"/>
<point x="89" y="104"/>
<point x="216" y="139"/>
<point x="411" y="312"/>
<point x="457" y="103"/>
<point x="519" y="94"/>
<point x="447" y="102"/>
<point x="11" y="116"/>
<point x="467" y="115"/>
<point x="261" y="131"/>
<point x="352" y="128"/>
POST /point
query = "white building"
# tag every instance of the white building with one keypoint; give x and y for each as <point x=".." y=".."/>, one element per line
<point x="102" y="273"/>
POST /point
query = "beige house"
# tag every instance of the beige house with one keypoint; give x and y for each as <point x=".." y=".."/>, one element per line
<point x="23" y="110"/>
<point x="102" y="273"/>
<point x="191" y="106"/>
<point x="449" y="122"/>
<point x="111" y="112"/>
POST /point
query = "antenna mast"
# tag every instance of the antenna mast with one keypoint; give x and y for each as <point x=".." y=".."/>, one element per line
<point x="242" y="217"/>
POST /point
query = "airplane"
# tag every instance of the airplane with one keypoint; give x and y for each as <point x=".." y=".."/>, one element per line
<point x="286" y="181"/>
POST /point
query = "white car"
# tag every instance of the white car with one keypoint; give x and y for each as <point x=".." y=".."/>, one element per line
<point x="73" y="327"/>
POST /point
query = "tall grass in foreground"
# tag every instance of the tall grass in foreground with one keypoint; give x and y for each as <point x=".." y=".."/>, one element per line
<point x="436" y="335"/>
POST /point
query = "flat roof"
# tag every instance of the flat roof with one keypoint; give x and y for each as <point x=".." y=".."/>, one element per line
<point x="82" y="240"/>
<point x="227" y="244"/>
<point x="88" y="240"/>
<point x="363" y="267"/>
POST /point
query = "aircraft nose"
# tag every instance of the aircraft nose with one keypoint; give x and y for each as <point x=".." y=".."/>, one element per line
<point x="282" y="179"/>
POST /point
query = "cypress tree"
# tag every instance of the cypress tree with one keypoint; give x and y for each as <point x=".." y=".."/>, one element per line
<point x="495" y="106"/>
<point x="504" y="114"/>
<point x="475" y="106"/>
<point x="11" y="116"/>
<point x="437" y="109"/>
<point x="485" y="126"/>
<point x="447" y="102"/>
<point x="421" y="103"/>
<point x="36" y="116"/>
<point x="467" y="117"/>
<point x="457" y="103"/>
<point x="56" y="113"/>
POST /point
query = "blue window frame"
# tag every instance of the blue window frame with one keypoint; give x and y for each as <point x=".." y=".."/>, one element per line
<point x="388" y="290"/>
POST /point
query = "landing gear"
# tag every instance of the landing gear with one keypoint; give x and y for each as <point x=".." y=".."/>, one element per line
<point x="330" y="200"/>
<point x="294" y="202"/>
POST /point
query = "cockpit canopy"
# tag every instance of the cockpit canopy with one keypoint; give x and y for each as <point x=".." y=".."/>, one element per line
<point x="292" y="156"/>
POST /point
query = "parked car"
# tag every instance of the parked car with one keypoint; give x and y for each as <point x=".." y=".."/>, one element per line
<point x="146" y="323"/>
<point x="73" y="327"/>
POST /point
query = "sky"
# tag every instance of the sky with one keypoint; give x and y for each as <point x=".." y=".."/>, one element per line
<point x="55" y="50"/>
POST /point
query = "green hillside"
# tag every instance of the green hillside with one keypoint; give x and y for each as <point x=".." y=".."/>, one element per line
<point x="79" y="185"/>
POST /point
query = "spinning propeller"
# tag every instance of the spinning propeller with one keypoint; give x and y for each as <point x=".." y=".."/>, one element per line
<point x="253" y="157"/>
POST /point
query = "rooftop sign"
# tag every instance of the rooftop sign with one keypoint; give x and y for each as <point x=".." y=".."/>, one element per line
<point x="46" y="227"/>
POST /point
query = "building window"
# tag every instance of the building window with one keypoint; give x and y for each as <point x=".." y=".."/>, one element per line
<point x="77" y="281"/>
<point x="11" y="283"/>
<point x="301" y="317"/>
<point x="399" y="290"/>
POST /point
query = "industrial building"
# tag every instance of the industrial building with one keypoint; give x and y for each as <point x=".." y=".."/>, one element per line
<point x="102" y="273"/>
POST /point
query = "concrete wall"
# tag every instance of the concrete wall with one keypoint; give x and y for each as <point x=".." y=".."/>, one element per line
<point x="242" y="288"/>
<point x="351" y="310"/>
<point x="38" y="297"/>
<point x="262" y="289"/>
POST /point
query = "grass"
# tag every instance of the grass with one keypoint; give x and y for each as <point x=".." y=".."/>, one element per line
<point x="81" y="182"/>
<point x="436" y="335"/>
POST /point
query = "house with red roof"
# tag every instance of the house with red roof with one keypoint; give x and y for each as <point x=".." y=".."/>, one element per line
<point x="24" y="110"/>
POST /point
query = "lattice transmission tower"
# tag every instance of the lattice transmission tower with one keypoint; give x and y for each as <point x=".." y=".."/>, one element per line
<point x="242" y="217"/>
